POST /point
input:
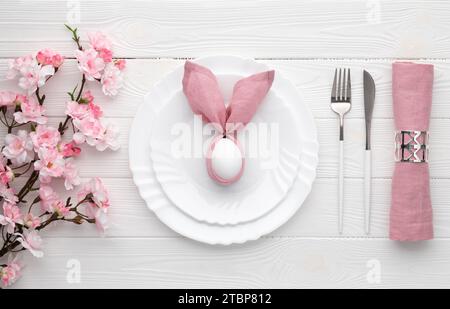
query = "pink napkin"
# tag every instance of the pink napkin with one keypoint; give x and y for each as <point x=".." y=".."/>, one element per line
<point x="411" y="212"/>
<point x="203" y="93"/>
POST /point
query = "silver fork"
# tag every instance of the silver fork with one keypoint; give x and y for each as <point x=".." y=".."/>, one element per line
<point x="341" y="103"/>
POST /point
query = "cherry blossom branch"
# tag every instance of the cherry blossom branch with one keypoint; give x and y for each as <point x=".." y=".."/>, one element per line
<point x="41" y="148"/>
<point x="28" y="185"/>
<point x="75" y="36"/>
<point x="29" y="165"/>
<point x="83" y="82"/>
<point x="40" y="98"/>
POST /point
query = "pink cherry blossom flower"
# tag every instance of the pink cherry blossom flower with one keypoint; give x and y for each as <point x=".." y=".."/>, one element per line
<point x="50" y="164"/>
<point x="7" y="98"/>
<point x="109" y="139"/>
<point x="95" y="187"/>
<point x="90" y="63"/>
<point x="82" y="110"/>
<point x="78" y="138"/>
<point x="18" y="64"/>
<point x="18" y="148"/>
<point x="31" y="221"/>
<point x="71" y="177"/>
<point x="49" y="57"/>
<point x="111" y="80"/>
<point x="31" y="110"/>
<point x="99" y="41"/>
<point x="47" y="198"/>
<point x="70" y="150"/>
<point x="120" y="64"/>
<point x="95" y="110"/>
<point x="8" y="194"/>
<point x="50" y="201"/>
<point x="91" y="128"/>
<point x="88" y="97"/>
<point x="31" y="241"/>
<point x="20" y="98"/>
<point x="100" y="215"/>
<point x="45" y="137"/>
<point x="10" y="273"/>
<point x="6" y="173"/>
<point x="106" y="55"/>
<point x="11" y="216"/>
<point x="34" y="76"/>
<point x="76" y="110"/>
<point x="60" y="208"/>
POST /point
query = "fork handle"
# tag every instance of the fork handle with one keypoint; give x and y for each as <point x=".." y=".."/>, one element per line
<point x="341" y="186"/>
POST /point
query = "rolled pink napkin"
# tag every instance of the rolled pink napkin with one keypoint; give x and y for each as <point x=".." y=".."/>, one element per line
<point x="411" y="211"/>
<point x="203" y="93"/>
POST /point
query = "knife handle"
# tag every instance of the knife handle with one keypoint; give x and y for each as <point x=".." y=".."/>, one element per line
<point x="367" y="189"/>
<point x="341" y="187"/>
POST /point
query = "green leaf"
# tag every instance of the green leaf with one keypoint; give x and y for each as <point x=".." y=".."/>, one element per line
<point x="72" y="94"/>
<point x="68" y="27"/>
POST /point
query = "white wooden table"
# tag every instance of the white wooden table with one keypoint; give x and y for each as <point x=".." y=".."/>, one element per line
<point x="303" y="40"/>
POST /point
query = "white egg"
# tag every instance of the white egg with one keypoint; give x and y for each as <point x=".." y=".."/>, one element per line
<point x="226" y="159"/>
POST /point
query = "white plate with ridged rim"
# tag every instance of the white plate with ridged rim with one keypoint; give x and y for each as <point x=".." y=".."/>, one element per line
<point x="271" y="144"/>
<point x="152" y="192"/>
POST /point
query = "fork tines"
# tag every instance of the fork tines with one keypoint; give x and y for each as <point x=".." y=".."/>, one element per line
<point x="342" y="89"/>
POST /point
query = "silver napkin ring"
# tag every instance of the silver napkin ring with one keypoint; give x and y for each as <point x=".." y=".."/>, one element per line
<point x="411" y="146"/>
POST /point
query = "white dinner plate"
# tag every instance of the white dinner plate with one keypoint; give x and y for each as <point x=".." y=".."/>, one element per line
<point x="152" y="192"/>
<point x="271" y="142"/>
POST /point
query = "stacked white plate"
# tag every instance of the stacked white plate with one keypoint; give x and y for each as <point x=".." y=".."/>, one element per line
<point x="177" y="187"/>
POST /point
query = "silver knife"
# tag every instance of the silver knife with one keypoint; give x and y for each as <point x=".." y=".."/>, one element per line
<point x="369" y="100"/>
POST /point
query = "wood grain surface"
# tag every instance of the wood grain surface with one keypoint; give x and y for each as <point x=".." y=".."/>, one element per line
<point x="302" y="40"/>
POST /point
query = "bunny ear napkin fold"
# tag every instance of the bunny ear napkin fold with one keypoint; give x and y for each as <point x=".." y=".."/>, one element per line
<point x="203" y="94"/>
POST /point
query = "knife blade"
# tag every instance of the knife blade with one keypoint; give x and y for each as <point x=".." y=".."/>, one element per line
<point x="369" y="101"/>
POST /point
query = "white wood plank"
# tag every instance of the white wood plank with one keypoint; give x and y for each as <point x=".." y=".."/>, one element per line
<point x="313" y="79"/>
<point x="255" y="28"/>
<point x="139" y="250"/>
<point x="267" y="263"/>
<point x="130" y="217"/>
<point x="115" y="164"/>
<point x="382" y="148"/>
